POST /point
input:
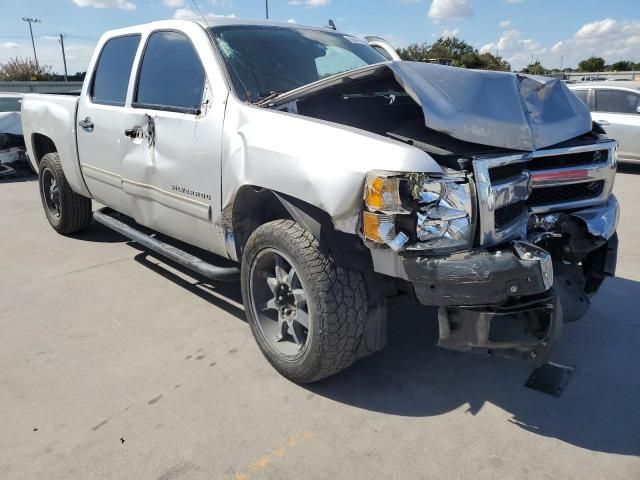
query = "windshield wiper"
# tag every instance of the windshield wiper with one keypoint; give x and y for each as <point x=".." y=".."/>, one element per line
<point x="266" y="97"/>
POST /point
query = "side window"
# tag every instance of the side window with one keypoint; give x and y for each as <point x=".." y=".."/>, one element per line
<point x="171" y="75"/>
<point x="337" y="60"/>
<point x="111" y="77"/>
<point x="582" y="95"/>
<point x="617" y="101"/>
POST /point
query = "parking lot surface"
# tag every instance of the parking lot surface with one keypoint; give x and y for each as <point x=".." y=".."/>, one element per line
<point x="115" y="365"/>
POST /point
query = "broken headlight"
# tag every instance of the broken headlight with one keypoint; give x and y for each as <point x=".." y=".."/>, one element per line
<point x="419" y="211"/>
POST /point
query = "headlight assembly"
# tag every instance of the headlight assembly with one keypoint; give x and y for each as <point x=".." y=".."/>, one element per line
<point x="418" y="211"/>
<point x="444" y="214"/>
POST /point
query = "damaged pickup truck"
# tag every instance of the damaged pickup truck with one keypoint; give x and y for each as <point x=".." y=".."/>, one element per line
<point x="337" y="179"/>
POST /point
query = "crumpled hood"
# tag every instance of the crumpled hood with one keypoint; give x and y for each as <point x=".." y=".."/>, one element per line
<point x="500" y="109"/>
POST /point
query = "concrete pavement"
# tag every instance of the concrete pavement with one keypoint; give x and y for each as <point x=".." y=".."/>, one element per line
<point x="115" y="365"/>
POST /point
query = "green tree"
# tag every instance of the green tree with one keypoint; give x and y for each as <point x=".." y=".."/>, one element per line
<point x="535" y="68"/>
<point x="451" y="47"/>
<point x="458" y="51"/>
<point x="24" y="69"/>
<point x="416" y="52"/>
<point x="621" y="66"/>
<point x="592" y="64"/>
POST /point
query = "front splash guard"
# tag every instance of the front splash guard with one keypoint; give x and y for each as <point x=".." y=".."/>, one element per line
<point x="527" y="330"/>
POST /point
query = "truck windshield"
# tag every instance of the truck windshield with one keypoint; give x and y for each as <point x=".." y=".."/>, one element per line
<point x="265" y="60"/>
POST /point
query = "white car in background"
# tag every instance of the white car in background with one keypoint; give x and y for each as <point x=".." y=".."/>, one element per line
<point x="616" y="107"/>
<point x="10" y="105"/>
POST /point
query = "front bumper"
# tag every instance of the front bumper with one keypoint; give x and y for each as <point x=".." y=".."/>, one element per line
<point x="513" y="299"/>
<point x="478" y="277"/>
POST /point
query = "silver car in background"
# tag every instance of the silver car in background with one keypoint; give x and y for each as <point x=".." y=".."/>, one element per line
<point x="616" y="107"/>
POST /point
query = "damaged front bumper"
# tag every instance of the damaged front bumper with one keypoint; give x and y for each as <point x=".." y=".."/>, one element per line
<point x="512" y="299"/>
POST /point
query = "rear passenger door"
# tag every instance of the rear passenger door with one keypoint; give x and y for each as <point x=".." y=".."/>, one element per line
<point x="102" y="117"/>
<point x="617" y="112"/>
<point x="582" y="94"/>
<point x="172" y="174"/>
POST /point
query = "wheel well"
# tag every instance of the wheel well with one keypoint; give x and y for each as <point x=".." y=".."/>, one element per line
<point x="41" y="146"/>
<point x="255" y="206"/>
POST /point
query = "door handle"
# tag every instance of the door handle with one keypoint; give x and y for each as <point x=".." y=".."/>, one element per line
<point x="135" y="132"/>
<point x="87" y="124"/>
<point x="603" y="122"/>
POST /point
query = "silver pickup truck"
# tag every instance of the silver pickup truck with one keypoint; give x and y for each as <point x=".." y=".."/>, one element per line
<point x="336" y="180"/>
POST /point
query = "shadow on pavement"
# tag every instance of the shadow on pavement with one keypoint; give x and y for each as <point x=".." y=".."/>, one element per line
<point x="599" y="411"/>
<point x="224" y="295"/>
<point x="20" y="179"/>
<point x="99" y="233"/>
<point x="413" y="377"/>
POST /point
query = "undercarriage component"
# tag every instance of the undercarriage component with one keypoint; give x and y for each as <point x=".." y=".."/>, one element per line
<point x="529" y="329"/>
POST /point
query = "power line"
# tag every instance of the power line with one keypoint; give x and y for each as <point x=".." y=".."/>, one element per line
<point x="43" y="35"/>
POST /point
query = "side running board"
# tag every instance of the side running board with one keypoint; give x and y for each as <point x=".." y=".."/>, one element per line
<point x="107" y="217"/>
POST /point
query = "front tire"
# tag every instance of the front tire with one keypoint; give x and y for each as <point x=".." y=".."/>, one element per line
<point x="306" y="313"/>
<point x="66" y="211"/>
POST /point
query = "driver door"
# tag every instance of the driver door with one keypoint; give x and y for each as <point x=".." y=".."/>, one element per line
<point x="171" y="172"/>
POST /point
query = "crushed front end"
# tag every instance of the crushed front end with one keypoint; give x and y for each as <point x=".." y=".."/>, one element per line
<point x="508" y="246"/>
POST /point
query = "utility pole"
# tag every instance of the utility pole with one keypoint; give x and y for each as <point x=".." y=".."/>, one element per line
<point x="64" y="57"/>
<point x="266" y="7"/>
<point x="30" y="21"/>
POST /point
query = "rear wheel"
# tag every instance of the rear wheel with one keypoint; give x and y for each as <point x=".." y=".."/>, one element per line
<point x="306" y="313"/>
<point x="66" y="211"/>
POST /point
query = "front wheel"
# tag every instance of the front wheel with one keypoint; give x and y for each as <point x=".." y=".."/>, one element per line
<point x="306" y="313"/>
<point x="66" y="211"/>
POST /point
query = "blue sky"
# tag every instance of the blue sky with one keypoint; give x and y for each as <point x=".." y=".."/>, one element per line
<point x="554" y="31"/>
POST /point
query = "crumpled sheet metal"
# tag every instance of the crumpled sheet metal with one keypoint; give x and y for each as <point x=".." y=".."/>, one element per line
<point x="499" y="109"/>
<point x="601" y="221"/>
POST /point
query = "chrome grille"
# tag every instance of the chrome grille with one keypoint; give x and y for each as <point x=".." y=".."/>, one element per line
<point x="511" y="187"/>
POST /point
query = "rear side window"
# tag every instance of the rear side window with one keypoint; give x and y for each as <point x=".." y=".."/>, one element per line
<point x="382" y="52"/>
<point x="617" y="101"/>
<point x="582" y="95"/>
<point x="111" y="77"/>
<point x="171" y="75"/>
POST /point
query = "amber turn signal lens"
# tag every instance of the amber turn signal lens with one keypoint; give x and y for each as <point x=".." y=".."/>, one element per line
<point x="382" y="194"/>
<point x="371" y="225"/>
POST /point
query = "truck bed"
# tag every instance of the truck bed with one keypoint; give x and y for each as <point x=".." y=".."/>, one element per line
<point x="48" y="117"/>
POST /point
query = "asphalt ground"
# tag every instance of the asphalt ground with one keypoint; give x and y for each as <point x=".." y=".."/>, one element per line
<point x="116" y="365"/>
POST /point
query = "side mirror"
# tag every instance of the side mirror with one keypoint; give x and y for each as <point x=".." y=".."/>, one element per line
<point x="638" y="109"/>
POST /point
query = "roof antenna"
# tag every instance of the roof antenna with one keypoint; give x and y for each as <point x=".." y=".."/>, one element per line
<point x="204" y="19"/>
<point x="331" y="25"/>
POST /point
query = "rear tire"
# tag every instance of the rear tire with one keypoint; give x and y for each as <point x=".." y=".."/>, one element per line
<point x="306" y="313"/>
<point x="66" y="211"/>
